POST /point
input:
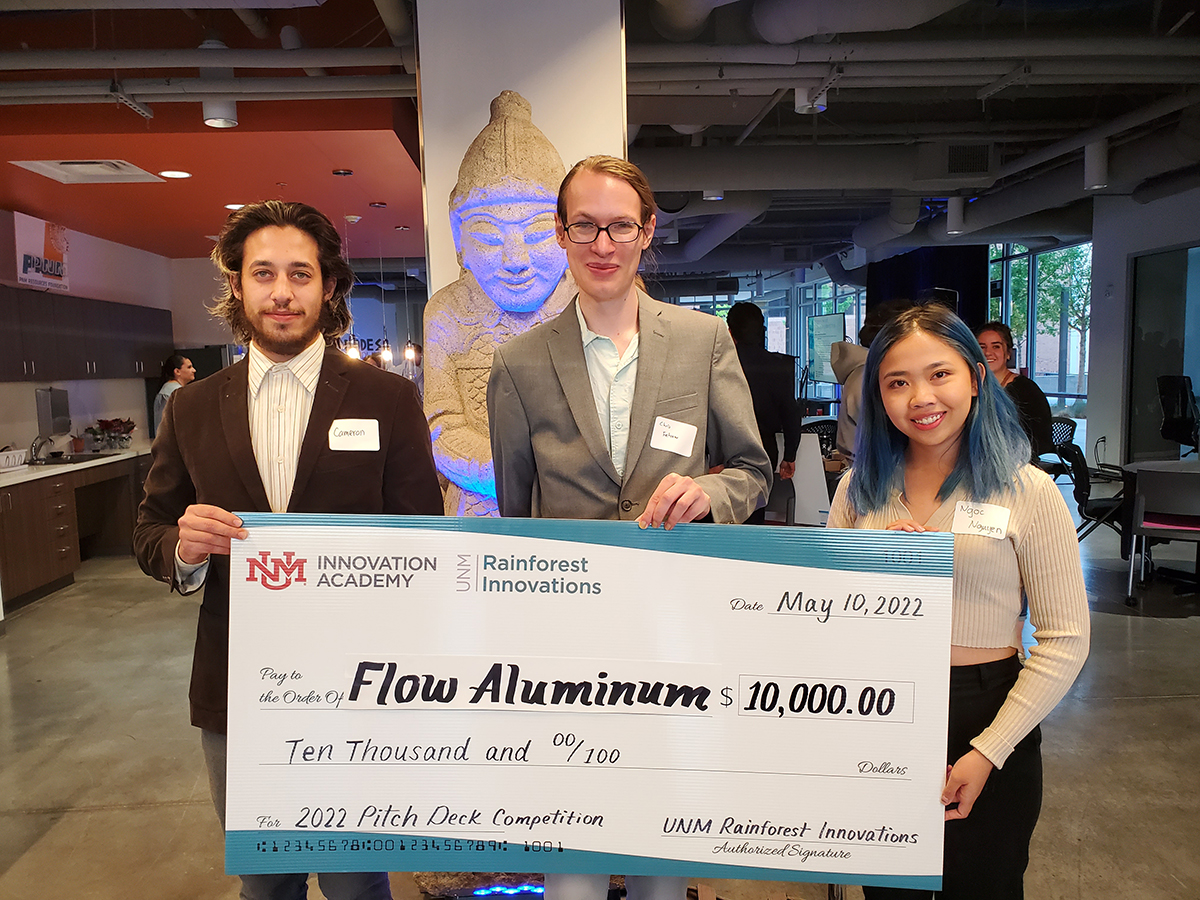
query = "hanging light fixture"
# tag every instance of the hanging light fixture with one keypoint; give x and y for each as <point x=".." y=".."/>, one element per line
<point x="350" y="344"/>
<point x="1095" y="165"/>
<point x="218" y="113"/>
<point x="954" y="215"/>
<point x="385" y="351"/>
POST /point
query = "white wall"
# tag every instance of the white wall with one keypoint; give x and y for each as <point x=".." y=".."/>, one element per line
<point x="566" y="57"/>
<point x="1121" y="230"/>
<point x="100" y="269"/>
<point x="194" y="283"/>
<point x="113" y="398"/>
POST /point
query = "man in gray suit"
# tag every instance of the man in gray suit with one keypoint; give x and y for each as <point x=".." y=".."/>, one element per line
<point x="619" y="407"/>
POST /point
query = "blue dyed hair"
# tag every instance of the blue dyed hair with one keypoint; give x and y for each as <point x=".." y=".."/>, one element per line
<point x="993" y="448"/>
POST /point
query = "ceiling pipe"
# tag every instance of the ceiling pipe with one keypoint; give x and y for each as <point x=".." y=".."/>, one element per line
<point x="793" y="167"/>
<point x="732" y="214"/>
<point x="331" y="57"/>
<point x="970" y="72"/>
<point x="290" y="39"/>
<point x="193" y="89"/>
<point x="1012" y="49"/>
<point x="901" y="219"/>
<point x="398" y="22"/>
<point x="682" y="20"/>
<point x="254" y="22"/>
<point x="786" y="21"/>
<point x="1138" y="117"/>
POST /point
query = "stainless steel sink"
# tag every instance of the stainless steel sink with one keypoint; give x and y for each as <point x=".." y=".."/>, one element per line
<point x="71" y="459"/>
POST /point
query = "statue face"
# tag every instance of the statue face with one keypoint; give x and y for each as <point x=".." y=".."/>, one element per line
<point x="510" y="248"/>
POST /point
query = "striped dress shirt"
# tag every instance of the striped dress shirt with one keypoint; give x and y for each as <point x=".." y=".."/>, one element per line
<point x="280" y="402"/>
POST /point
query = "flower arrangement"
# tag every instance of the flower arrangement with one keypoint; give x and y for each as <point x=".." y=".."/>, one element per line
<point x="114" y="433"/>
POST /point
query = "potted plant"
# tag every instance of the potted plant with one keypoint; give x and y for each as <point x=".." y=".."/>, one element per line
<point x="116" y="434"/>
<point x="78" y="442"/>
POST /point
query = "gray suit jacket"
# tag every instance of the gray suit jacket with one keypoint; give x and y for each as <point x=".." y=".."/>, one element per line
<point x="549" y="453"/>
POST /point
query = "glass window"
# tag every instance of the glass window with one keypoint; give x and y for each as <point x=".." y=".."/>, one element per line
<point x="1064" y="308"/>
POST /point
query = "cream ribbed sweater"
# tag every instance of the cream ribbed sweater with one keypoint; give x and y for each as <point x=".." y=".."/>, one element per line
<point x="1040" y="554"/>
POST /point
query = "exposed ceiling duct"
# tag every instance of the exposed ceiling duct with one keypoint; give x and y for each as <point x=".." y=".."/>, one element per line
<point x="900" y="220"/>
<point x="786" y="21"/>
<point x="331" y="57"/>
<point x="682" y="20"/>
<point x="729" y="216"/>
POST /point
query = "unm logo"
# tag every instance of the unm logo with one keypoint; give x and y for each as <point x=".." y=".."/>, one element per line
<point x="276" y="573"/>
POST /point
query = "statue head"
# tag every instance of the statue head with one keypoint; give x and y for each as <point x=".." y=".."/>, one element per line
<point x="502" y="208"/>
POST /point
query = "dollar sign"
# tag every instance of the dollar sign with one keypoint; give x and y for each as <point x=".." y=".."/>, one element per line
<point x="726" y="696"/>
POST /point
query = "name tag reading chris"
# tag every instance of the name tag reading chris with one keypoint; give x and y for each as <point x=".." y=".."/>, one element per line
<point x="986" y="519"/>
<point x="354" y="434"/>
<point x="677" y="437"/>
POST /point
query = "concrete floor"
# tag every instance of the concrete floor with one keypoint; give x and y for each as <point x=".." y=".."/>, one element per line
<point x="103" y="792"/>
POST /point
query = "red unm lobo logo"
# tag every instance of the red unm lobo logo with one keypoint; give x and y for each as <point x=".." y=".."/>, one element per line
<point x="276" y="573"/>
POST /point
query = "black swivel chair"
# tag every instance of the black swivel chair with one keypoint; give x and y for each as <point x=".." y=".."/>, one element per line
<point x="1093" y="511"/>
<point x="1181" y="422"/>
<point x="1062" y="432"/>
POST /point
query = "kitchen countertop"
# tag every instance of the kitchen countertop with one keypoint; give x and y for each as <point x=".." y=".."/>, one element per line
<point x="32" y="473"/>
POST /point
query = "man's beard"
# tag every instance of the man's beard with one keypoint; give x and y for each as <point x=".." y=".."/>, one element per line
<point x="280" y="346"/>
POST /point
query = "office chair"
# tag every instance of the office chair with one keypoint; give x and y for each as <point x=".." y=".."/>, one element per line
<point x="1166" y="507"/>
<point x="1062" y="432"/>
<point x="1180" y="418"/>
<point x="1093" y="512"/>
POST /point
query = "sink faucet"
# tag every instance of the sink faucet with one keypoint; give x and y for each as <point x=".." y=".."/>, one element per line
<point x="36" y="447"/>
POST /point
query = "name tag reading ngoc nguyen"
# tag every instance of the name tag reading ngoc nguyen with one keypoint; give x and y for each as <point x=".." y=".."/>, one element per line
<point x="987" y="519"/>
<point x="354" y="434"/>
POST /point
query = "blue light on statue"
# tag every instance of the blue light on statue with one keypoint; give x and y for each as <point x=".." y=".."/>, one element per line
<point x="514" y="275"/>
<point x="510" y="891"/>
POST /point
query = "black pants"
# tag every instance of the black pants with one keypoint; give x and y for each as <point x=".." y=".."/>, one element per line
<point x="986" y="853"/>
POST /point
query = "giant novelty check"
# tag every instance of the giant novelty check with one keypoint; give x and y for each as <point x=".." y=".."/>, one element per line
<point x="413" y="694"/>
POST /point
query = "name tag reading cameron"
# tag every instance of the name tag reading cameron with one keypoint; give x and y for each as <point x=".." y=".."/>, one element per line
<point x="986" y="519"/>
<point x="354" y="434"/>
<point x="677" y="437"/>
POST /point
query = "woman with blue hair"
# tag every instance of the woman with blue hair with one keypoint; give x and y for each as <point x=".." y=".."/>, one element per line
<point x="937" y="434"/>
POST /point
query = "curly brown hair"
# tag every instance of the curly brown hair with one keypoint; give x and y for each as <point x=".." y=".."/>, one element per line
<point x="228" y="253"/>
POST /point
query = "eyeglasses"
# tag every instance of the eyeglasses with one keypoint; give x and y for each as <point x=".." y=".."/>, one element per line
<point x="618" y="232"/>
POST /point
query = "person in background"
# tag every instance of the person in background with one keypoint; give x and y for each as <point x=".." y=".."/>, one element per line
<point x="772" y="380"/>
<point x="938" y="434"/>
<point x="257" y="436"/>
<point x="376" y="359"/>
<point x="573" y="405"/>
<point x="847" y="361"/>
<point x="996" y="342"/>
<point x="176" y="372"/>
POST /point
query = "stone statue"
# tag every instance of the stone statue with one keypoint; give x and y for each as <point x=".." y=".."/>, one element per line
<point x="514" y="275"/>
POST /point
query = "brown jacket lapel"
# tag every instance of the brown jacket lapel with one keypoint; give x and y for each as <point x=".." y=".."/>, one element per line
<point x="235" y="423"/>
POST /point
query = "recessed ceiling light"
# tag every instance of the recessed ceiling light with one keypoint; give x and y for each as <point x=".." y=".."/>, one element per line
<point x="343" y="172"/>
<point x="234" y="206"/>
<point x="174" y="173"/>
<point x="378" y="204"/>
<point x="402" y="228"/>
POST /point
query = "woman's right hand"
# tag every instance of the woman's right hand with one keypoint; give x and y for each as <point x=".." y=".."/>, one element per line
<point x="909" y="525"/>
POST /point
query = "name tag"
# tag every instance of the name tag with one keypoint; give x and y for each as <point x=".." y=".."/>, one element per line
<point x="677" y="437"/>
<point x="354" y="434"/>
<point x="986" y="519"/>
